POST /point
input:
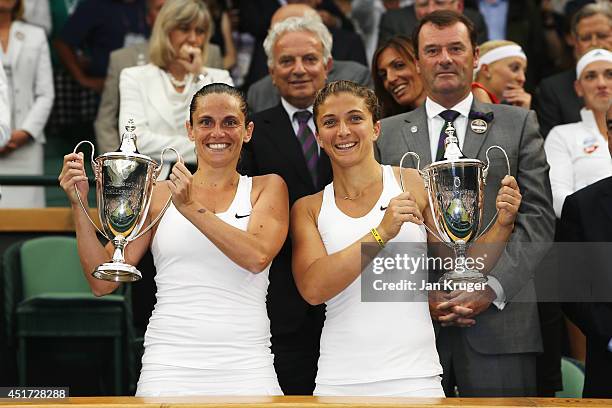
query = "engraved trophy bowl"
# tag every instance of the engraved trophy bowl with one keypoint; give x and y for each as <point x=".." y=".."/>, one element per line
<point x="124" y="187"/>
<point x="455" y="187"/>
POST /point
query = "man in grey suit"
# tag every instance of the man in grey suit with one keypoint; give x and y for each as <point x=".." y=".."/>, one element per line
<point x="105" y="126"/>
<point x="403" y="20"/>
<point x="489" y="339"/>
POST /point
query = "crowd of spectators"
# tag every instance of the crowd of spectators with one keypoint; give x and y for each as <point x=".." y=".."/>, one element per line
<point x="84" y="67"/>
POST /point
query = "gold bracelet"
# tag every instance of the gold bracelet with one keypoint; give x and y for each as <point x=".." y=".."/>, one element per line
<point x="377" y="237"/>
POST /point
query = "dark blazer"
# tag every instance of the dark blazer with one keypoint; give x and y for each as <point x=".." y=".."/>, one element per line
<point x="587" y="217"/>
<point x="403" y="21"/>
<point x="515" y="130"/>
<point x="275" y="148"/>
<point x="557" y="102"/>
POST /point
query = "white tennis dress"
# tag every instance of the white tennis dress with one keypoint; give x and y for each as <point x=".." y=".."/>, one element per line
<point x="374" y="348"/>
<point x="209" y="333"/>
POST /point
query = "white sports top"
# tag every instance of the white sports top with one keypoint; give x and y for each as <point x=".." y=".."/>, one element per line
<point x="365" y="342"/>
<point x="210" y="313"/>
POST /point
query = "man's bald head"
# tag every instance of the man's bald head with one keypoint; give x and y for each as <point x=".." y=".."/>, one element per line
<point x="291" y="10"/>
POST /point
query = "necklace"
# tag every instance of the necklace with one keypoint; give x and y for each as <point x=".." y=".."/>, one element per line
<point x="347" y="197"/>
<point x="353" y="198"/>
<point x="176" y="82"/>
<point x="358" y="195"/>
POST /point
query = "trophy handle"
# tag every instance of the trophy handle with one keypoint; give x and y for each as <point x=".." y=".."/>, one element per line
<point x="401" y="165"/>
<point x="485" y="172"/>
<point x="94" y="166"/>
<point x="155" y="174"/>
<point x="425" y="178"/>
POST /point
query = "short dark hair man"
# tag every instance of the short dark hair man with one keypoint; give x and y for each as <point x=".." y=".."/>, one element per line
<point x="483" y="359"/>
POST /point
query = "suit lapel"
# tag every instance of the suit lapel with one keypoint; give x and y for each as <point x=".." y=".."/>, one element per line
<point x="157" y="94"/>
<point x="283" y="137"/>
<point x="17" y="37"/>
<point x="417" y="140"/>
<point x="473" y="141"/>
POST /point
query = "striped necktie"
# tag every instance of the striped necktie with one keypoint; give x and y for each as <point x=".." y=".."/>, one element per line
<point x="308" y="142"/>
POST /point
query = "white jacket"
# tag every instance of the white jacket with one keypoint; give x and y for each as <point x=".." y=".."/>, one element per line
<point x="33" y="91"/>
<point x="143" y="98"/>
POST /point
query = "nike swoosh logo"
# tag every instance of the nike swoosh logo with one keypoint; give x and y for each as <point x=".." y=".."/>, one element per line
<point x="242" y="216"/>
<point x="383" y="208"/>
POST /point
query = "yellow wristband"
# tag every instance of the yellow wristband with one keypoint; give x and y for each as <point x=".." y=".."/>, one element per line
<point x="377" y="237"/>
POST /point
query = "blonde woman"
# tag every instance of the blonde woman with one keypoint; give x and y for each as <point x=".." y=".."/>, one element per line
<point x="500" y="75"/>
<point x="577" y="152"/>
<point x="157" y="95"/>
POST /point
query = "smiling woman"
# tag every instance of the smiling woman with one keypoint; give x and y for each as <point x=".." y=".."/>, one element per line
<point x="397" y="84"/>
<point x="384" y="348"/>
<point x="209" y="333"/>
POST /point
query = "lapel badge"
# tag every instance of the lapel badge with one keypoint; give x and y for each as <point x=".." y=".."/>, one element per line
<point x="19" y="35"/>
<point x="414" y="129"/>
<point x="478" y="126"/>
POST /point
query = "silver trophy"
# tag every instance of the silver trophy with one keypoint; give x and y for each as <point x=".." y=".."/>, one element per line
<point x="124" y="185"/>
<point x="455" y="189"/>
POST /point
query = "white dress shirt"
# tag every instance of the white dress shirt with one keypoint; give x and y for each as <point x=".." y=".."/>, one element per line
<point x="434" y="124"/>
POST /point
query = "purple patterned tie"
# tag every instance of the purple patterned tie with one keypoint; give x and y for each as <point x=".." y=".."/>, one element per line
<point x="449" y="117"/>
<point x="308" y="142"/>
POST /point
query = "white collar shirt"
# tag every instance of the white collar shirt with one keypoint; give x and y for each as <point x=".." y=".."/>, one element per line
<point x="435" y="122"/>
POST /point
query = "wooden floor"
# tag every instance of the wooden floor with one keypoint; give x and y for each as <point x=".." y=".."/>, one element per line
<point x="308" y="402"/>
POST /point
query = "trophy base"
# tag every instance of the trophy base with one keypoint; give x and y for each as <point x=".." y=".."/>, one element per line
<point x="455" y="280"/>
<point x="117" y="272"/>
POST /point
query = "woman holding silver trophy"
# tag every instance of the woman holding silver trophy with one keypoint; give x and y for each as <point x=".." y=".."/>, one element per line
<point x="370" y="348"/>
<point x="209" y="333"/>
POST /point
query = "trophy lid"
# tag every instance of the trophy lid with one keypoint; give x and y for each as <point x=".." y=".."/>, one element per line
<point x="128" y="139"/>
<point x="453" y="156"/>
<point x="128" y="145"/>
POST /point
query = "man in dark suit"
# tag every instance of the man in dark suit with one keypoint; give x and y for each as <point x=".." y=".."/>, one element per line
<point x="496" y="356"/>
<point x="556" y="100"/>
<point x="587" y="217"/>
<point x="403" y="20"/>
<point x="256" y="17"/>
<point x="299" y="51"/>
